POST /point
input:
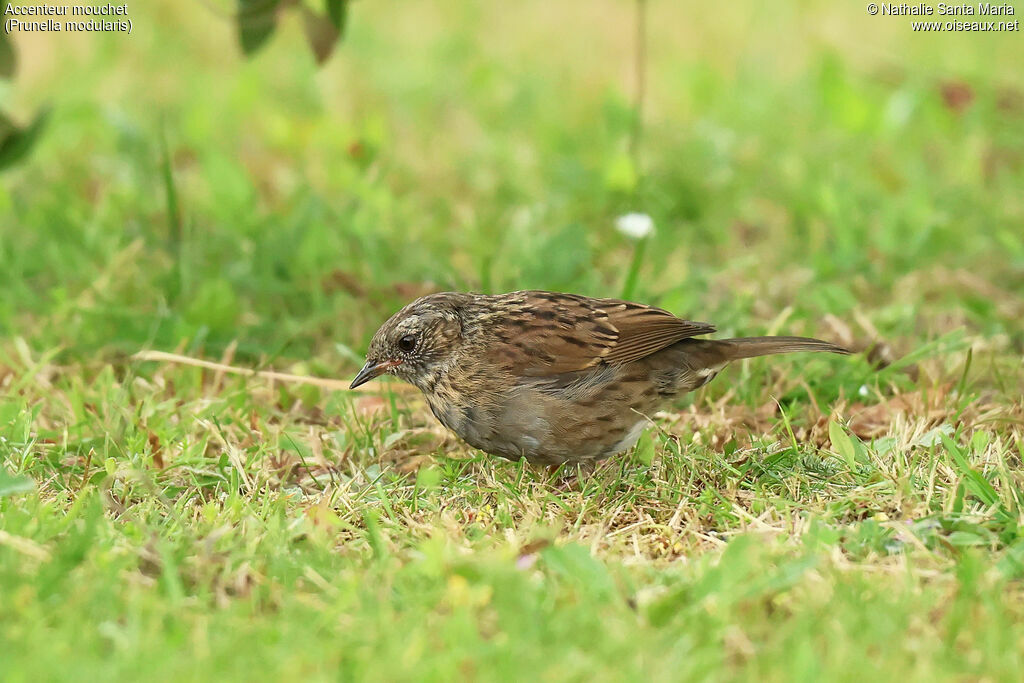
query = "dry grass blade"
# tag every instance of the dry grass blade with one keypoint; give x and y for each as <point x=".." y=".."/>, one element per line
<point x="272" y="375"/>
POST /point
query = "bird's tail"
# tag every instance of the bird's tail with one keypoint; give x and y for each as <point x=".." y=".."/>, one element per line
<point x="750" y="347"/>
<point x="715" y="353"/>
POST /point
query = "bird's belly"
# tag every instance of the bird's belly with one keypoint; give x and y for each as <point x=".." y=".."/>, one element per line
<point x="508" y="430"/>
<point x="583" y="418"/>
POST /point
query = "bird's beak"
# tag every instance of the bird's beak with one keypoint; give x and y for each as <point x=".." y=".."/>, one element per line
<point x="371" y="370"/>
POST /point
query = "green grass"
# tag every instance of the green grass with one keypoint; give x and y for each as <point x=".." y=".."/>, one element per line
<point x="801" y="518"/>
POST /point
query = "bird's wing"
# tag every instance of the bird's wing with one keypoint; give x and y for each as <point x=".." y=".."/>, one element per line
<point x="545" y="333"/>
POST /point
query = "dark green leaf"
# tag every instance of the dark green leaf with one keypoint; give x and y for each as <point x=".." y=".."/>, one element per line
<point x="337" y="12"/>
<point x="16" y="143"/>
<point x="6" y="126"/>
<point x="8" y="58"/>
<point x="257" y="20"/>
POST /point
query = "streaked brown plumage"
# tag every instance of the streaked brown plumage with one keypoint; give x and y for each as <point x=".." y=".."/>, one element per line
<point x="552" y="377"/>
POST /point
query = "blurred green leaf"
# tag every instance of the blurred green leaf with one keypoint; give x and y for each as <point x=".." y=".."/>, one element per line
<point x="6" y="126"/>
<point x="337" y="11"/>
<point x="257" y="20"/>
<point x="667" y="607"/>
<point x="174" y="224"/>
<point x="575" y="562"/>
<point x="620" y="173"/>
<point x="428" y="478"/>
<point x="1012" y="563"/>
<point x="963" y="539"/>
<point x="215" y="306"/>
<point x="565" y="256"/>
<point x="8" y="57"/>
<point x="16" y="143"/>
<point x="11" y="484"/>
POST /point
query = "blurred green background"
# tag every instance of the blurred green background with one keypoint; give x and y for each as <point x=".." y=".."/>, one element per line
<point x="801" y="154"/>
<point x="810" y="169"/>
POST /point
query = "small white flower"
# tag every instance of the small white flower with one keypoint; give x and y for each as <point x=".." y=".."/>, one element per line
<point x="863" y="391"/>
<point x="635" y="225"/>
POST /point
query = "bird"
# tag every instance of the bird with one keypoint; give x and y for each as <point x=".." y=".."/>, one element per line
<point x="553" y="378"/>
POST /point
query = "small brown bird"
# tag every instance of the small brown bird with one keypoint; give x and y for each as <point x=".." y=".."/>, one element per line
<point x="551" y="377"/>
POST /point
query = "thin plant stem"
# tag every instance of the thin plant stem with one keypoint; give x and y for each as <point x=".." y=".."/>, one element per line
<point x="634" y="268"/>
<point x="639" y="82"/>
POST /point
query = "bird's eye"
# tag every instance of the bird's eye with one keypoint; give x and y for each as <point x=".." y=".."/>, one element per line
<point x="407" y="343"/>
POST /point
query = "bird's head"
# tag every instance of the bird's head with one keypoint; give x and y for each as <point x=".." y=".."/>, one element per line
<point x="416" y="344"/>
